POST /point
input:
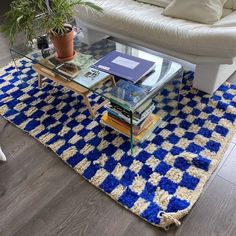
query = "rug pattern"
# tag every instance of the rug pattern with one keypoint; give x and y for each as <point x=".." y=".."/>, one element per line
<point x="166" y="175"/>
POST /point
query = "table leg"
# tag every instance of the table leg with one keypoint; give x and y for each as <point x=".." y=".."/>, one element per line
<point x="131" y="134"/>
<point x="87" y="102"/>
<point x="113" y="81"/>
<point x="16" y="67"/>
<point x="39" y="81"/>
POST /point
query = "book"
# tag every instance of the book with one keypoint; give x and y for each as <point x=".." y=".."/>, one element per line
<point x="65" y="70"/>
<point x="138" y="112"/>
<point x="90" y="77"/>
<point x="83" y="61"/>
<point x="68" y="69"/>
<point x="127" y="93"/>
<point x="106" y="120"/>
<point x="136" y="129"/>
<point x="146" y="112"/>
<point x="119" y="115"/>
<point x="143" y="108"/>
<point x="120" y="109"/>
<point x="145" y="124"/>
<point x="125" y="66"/>
<point x="136" y="116"/>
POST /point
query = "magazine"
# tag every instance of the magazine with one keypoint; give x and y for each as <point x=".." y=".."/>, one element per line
<point x="90" y="77"/>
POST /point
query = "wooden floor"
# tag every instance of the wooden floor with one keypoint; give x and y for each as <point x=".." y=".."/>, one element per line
<point x="40" y="195"/>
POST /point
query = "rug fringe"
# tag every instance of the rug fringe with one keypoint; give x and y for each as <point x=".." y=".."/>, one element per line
<point x="168" y="218"/>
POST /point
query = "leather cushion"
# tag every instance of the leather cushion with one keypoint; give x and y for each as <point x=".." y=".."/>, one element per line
<point x="143" y="22"/>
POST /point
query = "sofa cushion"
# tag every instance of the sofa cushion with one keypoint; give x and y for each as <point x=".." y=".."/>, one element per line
<point x="160" y="3"/>
<point x="203" y="11"/>
<point x="165" y="3"/>
<point x="230" y="4"/>
<point x="226" y="12"/>
<point x="145" y="23"/>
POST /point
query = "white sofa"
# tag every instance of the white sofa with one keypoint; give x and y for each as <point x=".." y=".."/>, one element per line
<point x="211" y="47"/>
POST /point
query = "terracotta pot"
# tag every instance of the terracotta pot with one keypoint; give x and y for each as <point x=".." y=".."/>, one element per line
<point x="64" y="45"/>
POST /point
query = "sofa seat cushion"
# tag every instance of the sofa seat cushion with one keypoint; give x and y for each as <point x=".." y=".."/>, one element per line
<point x="145" y="23"/>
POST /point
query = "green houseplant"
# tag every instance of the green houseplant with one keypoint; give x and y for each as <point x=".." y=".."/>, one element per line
<point x="30" y="16"/>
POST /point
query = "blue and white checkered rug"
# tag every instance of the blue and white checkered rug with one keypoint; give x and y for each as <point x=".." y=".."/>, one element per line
<point x="167" y="173"/>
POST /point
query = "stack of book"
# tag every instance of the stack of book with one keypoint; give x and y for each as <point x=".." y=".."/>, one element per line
<point x="118" y="116"/>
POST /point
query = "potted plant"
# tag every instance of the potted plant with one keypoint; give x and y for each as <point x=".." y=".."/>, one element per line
<point x="31" y="16"/>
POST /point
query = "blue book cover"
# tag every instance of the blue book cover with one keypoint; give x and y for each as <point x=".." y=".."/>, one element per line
<point x="127" y="93"/>
<point x="125" y="66"/>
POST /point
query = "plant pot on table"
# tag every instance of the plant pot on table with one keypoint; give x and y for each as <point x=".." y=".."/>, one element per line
<point x="64" y="44"/>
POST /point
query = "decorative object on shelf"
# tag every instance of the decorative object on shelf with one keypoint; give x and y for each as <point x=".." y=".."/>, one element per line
<point x="31" y="17"/>
<point x="42" y="42"/>
<point x="43" y="45"/>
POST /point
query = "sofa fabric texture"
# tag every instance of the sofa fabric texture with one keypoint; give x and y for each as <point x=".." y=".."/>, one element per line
<point x="230" y="4"/>
<point x="203" y="11"/>
<point x="164" y="3"/>
<point x="145" y="23"/>
<point x="160" y="3"/>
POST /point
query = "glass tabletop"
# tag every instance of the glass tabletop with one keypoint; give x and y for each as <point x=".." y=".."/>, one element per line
<point x="79" y="69"/>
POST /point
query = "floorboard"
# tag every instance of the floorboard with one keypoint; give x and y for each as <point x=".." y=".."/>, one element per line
<point x="31" y="177"/>
<point x="227" y="171"/>
<point x="79" y="209"/>
<point x="214" y="213"/>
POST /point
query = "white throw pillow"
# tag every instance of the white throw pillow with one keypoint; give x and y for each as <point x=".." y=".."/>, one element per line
<point x="230" y="4"/>
<point x="203" y="11"/>
<point x="160" y="3"/>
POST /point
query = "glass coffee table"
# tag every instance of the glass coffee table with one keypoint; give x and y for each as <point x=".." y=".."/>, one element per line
<point x="137" y="119"/>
